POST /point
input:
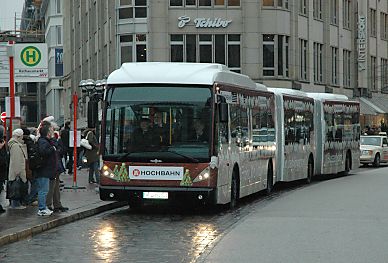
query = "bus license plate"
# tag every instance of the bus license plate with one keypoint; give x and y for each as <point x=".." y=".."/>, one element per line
<point x="155" y="195"/>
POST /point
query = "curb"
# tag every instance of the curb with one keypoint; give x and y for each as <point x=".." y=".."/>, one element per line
<point x="34" y="230"/>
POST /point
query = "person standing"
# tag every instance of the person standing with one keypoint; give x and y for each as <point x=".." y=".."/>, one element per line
<point x="48" y="168"/>
<point x="53" y="199"/>
<point x="3" y="163"/>
<point x="29" y="142"/>
<point x="92" y="156"/>
<point x="17" y="164"/>
<point x="65" y="135"/>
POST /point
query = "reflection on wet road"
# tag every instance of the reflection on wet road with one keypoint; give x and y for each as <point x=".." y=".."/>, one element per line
<point x="155" y="234"/>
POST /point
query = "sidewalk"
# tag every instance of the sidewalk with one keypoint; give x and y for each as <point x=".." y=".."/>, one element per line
<point x="20" y="224"/>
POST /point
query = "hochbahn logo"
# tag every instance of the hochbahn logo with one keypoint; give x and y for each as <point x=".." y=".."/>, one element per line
<point x="136" y="172"/>
<point x="30" y="56"/>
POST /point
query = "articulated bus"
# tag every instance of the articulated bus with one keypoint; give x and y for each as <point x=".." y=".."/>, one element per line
<point x="173" y="130"/>
<point x="337" y="122"/>
<point x="295" y="135"/>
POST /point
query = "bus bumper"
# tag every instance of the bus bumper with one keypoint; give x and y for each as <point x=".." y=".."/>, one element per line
<point x="175" y="195"/>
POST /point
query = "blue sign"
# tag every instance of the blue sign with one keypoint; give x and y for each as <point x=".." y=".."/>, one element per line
<point x="59" y="62"/>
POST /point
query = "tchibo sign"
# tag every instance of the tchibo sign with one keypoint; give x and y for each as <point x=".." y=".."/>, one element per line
<point x="361" y="43"/>
<point x="203" y="22"/>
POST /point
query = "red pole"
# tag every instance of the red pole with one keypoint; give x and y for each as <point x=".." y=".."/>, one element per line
<point x="75" y="103"/>
<point x="11" y="88"/>
<point x="5" y="130"/>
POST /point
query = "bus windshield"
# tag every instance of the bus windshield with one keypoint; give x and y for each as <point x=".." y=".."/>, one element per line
<point x="160" y="123"/>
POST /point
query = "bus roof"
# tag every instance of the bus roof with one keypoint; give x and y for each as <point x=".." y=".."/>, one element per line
<point x="288" y="92"/>
<point x="177" y="73"/>
<point x="327" y="96"/>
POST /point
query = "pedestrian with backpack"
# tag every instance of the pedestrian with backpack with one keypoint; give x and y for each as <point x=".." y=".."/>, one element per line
<point x="48" y="168"/>
<point x="34" y="161"/>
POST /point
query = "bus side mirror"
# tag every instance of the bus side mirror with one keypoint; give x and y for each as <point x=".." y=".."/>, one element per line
<point x="223" y="112"/>
<point x="92" y="113"/>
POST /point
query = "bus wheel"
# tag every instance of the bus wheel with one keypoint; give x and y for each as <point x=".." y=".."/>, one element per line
<point x="310" y="170"/>
<point x="234" y="195"/>
<point x="376" y="162"/>
<point x="347" y="164"/>
<point x="269" y="178"/>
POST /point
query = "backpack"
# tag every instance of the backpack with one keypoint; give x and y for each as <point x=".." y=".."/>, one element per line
<point x="35" y="159"/>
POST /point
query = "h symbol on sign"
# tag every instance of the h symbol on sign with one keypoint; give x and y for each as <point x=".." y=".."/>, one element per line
<point x="30" y="56"/>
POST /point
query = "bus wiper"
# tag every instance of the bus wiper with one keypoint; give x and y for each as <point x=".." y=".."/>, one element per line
<point x="184" y="156"/>
<point x="125" y="155"/>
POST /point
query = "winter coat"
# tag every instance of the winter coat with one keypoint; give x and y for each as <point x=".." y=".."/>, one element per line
<point x="4" y="162"/>
<point x="18" y="156"/>
<point x="49" y="165"/>
<point x="92" y="155"/>
<point x="57" y="143"/>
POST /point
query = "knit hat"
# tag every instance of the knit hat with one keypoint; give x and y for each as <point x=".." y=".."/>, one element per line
<point x="17" y="133"/>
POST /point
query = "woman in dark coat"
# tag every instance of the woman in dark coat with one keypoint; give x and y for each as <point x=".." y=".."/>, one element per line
<point x="3" y="163"/>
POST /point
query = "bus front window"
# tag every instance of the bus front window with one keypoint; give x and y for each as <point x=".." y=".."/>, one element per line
<point x="166" y="123"/>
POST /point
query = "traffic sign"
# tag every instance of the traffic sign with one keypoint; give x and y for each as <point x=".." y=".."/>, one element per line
<point x="3" y="116"/>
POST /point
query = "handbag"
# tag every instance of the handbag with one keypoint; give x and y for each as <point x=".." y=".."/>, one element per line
<point x="85" y="143"/>
<point x="17" y="189"/>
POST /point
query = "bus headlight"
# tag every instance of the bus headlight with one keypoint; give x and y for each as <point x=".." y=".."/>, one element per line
<point x="204" y="175"/>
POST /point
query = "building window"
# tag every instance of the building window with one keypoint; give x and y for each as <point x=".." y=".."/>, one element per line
<point x="58" y="6"/>
<point x="384" y="75"/>
<point x="334" y="66"/>
<point x="207" y="48"/>
<point x="317" y="9"/>
<point x="276" y="3"/>
<point x="132" y="9"/>
<point x="346" y="13"/>
<point x="59" y="34"/>
<point x="373" y="76"/>
<point x="133" y="48"/>
<point x="280" y="54"/>
<point x="318" y="63"/>
<point x="268" y="55"/>
<point x="205" y="3"/>
<point x="303" y="7"/>
<point x="268" y="2"/>
<point x="346" y="68"/>
<point x="334" y="12"/>
<point x="303" y="59"/>
<point x="384" y="25"/>
<point x="372" y="23"/>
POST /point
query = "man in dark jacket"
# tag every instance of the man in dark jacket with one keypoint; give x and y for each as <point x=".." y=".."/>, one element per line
<point x="3" y="163"/>
<point x="65" y="135"/>
<point x="48" y="168"/>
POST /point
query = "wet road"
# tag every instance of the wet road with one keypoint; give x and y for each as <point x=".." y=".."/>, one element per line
<point x="155" y="234"/>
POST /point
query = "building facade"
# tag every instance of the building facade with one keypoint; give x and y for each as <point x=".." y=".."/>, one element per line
<point x="335" y="46"/>
<point x="51" y="14"/>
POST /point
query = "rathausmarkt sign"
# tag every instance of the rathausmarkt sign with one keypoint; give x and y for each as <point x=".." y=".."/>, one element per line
<point x="202" y="22"/>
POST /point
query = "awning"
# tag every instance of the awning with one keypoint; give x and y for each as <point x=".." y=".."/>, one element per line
<point x="381" y="102"/>
<point x="368" y="108"/>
